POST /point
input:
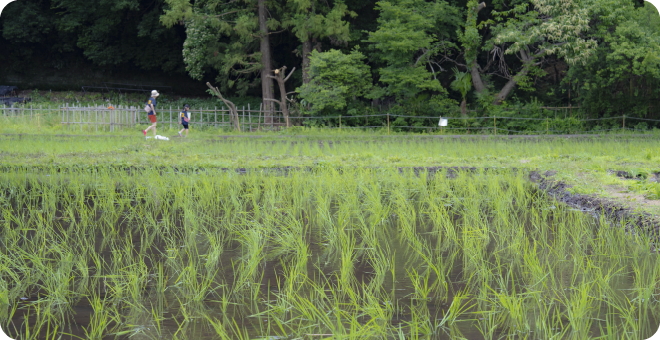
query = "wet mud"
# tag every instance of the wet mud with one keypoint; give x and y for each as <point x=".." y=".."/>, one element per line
<point x="635" y="222"/>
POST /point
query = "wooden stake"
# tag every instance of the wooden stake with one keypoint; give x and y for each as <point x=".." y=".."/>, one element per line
<point x="388" y="123"/>
<point x="624" y="123"/>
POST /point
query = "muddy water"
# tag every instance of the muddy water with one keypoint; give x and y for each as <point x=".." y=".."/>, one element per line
<point x="188" y="320"/>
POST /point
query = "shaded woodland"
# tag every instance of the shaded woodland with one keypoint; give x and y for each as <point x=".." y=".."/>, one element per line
<point x="412" y="57"/>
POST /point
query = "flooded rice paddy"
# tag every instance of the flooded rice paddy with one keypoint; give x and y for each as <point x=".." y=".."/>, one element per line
<point x="311" y="255"/>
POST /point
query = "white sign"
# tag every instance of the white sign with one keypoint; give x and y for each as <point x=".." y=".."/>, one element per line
<point x="443" y="122"/>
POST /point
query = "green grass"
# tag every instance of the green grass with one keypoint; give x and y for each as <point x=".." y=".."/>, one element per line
<point x="361" y="253"/>
<point x="129" y="238"/>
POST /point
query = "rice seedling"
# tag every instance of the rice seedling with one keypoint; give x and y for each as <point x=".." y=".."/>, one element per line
<point x="345" y="253"/>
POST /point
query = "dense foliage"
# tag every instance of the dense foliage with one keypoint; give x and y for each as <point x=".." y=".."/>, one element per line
<point x="416" y="57"/>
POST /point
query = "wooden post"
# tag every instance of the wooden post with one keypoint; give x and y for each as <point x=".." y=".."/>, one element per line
<point x="215" y="120"/>
<point x="339" y="122"/>
<point x="259" y="120"/>
<point x="547" y="126"/>
<point x="249" y="118"/>
<point x="243" y="126"/>
<point x="96" y="121"/>
<point x="495" y="125"/>
<point x="170" y="117"/>
<point x="624" y="123"/>
<point x="388" y="123"/>
<point x="67" y="116"/>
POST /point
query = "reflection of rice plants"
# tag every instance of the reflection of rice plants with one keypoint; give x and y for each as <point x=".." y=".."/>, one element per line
<point x="362" y="253"/>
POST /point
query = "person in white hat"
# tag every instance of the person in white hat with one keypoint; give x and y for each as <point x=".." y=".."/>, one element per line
<point x="152" y="112"/>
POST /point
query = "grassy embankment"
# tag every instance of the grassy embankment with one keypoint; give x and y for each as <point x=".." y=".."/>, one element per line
<point x="584" y="163"/>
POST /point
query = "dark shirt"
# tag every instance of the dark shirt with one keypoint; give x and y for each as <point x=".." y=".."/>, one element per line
<point x="184" y="114"/>
<point x="152" y="100"/>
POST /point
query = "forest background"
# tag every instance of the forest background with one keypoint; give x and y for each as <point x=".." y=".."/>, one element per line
<point x="358" y="57"/>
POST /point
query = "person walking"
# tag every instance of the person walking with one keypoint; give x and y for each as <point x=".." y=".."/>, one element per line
<point x="151" y="109"/>
<point x="185" y="118"/>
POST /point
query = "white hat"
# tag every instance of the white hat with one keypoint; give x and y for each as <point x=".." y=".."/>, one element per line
<point x="155" y="93"/>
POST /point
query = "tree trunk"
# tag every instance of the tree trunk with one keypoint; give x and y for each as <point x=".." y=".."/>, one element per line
<point x="476" y="78"/>
<point x="463" y="107"/>
<point x="283" y="102"/>
<point x="506" y="90"/>
<point x="266" y="83"/>
<point x="307" y="50"/>
<point x="474" y="69"/>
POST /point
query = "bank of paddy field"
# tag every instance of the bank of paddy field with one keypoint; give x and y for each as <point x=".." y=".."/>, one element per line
<point x="116" y="237"/>
<point x="589" y="164"/>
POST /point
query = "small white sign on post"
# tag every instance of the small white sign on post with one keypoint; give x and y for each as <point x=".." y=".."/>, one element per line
<point x="443" y="122"/>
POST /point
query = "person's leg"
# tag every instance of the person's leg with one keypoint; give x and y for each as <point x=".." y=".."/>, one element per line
<point x="152" y="118"/>
<point x="153" y="127"/>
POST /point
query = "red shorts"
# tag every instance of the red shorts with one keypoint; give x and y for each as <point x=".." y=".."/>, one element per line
<point x="152" y="118"/>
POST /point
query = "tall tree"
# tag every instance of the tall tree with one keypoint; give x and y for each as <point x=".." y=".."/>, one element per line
<point x="529" y="30"/>
<point x="407" y="41"/>
<point x="335" y="78"/>
<point x="311" y="20"/>
<point x="230" y="36"/>
<point x="266" y="64"/>
<point x="108" y="33"/>
<point x="623" y="76"/>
